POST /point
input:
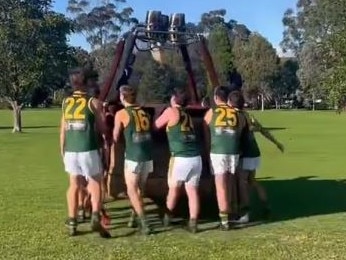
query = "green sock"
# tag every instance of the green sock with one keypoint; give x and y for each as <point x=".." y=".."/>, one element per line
<point x="223" y="218"/>
<point x="95" y="216"/>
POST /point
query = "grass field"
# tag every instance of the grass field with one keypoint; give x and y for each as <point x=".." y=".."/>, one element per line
<point x="305" y="185"/>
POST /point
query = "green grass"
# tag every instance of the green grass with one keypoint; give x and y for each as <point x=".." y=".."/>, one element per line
<point x="305" y="186"/>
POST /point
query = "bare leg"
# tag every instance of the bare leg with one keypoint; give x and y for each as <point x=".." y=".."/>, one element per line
<point x="194" y="204"/>
<point x="94" y="188"/>
<point x="172" y="197"/>
<point x="233" y="196"/>
<point x="222" y="198"/>
<point x="72" y="196"/>
<point x="110" y="169"/>
<point x="132" y="182"/>
<point x="244" y="195"/>
<point x="262" y="194"/>
<point x="72" y="204"/>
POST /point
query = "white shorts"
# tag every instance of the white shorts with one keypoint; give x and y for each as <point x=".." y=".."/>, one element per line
<point x="186" y="170"/>
<point x="223" y="163"/>
<point x="250" y="164"/>
<point x="87" y="164"/>
<point x="141" y="169"/>
<point x="138" y="167"/>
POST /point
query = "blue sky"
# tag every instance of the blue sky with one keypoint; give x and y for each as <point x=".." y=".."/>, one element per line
<point x="263" y="16"/>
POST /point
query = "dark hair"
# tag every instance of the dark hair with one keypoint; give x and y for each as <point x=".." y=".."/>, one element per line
<point x="222" y="93"/>
<point x="236" y="99"/>
<point x="80" y="77"/>
<point x="181" y="97"/>
<point x="77" y="79"/>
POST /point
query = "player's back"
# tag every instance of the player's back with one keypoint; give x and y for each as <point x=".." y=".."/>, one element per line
<point x="181" y="136"/>
<point x="79" y="123"/>
<point x="225" y="130"/>
<point x="137" y="134"/>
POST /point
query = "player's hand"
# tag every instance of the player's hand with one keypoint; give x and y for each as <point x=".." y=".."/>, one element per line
<point x="280" y="147"/>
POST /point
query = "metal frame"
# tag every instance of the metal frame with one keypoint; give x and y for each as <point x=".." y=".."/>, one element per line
<point x="127" y="44"/>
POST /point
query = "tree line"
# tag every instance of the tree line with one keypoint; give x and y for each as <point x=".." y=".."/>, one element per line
<point x="35" y="55"/>
<point x="316" y="33"/>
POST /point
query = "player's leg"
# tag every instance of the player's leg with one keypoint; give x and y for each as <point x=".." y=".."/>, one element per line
<point x="233" y="195"/>
<point x="82" y="198"/>
<point x="106" y="166"/>
<point x="105" y="218"/>
<point x="219" y="166"/>
<point x="91" y="166"/>
<point x="244" y="196"/>
<point x="71" y="167"/>
<point x="146" y="169"/>
<point x="132" y="180"/>
<point x="174" y="187"/>
<point x="87" y="201"/>
<point x="110" y="170"/>
<point x="191" y="187"/>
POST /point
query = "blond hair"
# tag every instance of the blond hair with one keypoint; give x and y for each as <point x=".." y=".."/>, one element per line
<point x="129" y="93"/>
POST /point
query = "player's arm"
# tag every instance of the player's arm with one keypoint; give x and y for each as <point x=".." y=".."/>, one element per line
<point x="163" y="119"/>
<point x="118" y="126"/>
<point x="62" y="136"/>
<point x="206" y="129"/>
<point x="97" y="109"/>
<point x="258" y="127"/>
<point x="244" y="130"/>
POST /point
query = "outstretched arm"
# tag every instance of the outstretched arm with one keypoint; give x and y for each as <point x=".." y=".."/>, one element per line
<point x="258" y="127"/>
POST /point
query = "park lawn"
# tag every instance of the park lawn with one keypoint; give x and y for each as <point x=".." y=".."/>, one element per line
<point x="305" y="185"/>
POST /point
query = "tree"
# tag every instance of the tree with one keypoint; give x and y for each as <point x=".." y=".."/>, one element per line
<point x="32" y="47"/>
<point x="257" y="61"/>
<point x="154" y="84"/>
<point x="102" y="22"/>
<point x="211" y="19"/>
<point x="310" y="72"/>
<point x="287" y="82"/>
<point x="221" y="51"/>
<point x="317" y="33"/>
<point x="103" y="58"/>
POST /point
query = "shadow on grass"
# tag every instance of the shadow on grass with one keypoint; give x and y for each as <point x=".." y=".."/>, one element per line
<point x="304" y="197"/>
<point x="289" y="199"/>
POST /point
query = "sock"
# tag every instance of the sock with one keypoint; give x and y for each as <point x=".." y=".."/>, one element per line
<point x="223" y="218"/>
<point x="95" y="216"/>
<point x="192" y="222"/>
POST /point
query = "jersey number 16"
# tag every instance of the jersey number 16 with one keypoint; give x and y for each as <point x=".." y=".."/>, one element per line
<point x="142" y="122"/>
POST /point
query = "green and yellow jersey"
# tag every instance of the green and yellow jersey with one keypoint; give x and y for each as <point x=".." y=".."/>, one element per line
<point x="182" y="138"/>
<point x="249" y="147"/>
<point x="137" y="133"/>
<point x="225" y="130"/>
<point x="79" y="120"/>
